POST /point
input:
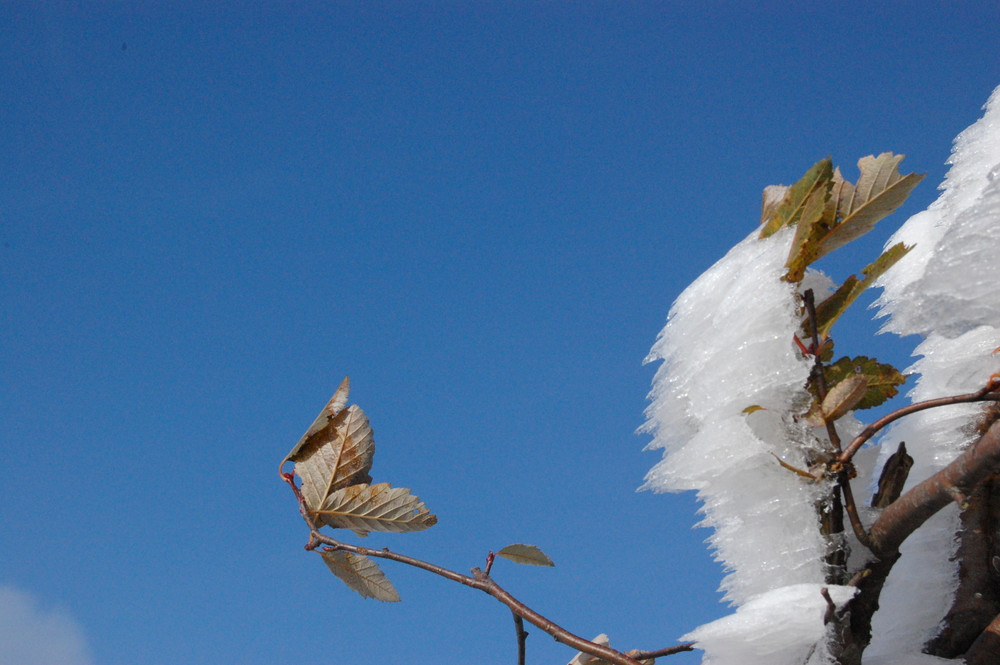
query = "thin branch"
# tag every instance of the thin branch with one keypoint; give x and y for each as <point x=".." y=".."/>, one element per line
<point x="831" y="607"/>
<point x="852" y="512"/>
<point x="817" y="369"/>
<point x="522" y="636"/>
<point x="659" y="653"/>
<point x="986" y="394"/>
<point x="479" y="580"/>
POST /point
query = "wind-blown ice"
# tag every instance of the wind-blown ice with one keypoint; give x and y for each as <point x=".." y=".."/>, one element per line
<point x="780" y="626"/>
<point x="944" y="290"/>
<point x="727" y="346"/>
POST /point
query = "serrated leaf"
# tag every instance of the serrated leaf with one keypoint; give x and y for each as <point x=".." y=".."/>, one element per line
<point x="364" y="508"/>
<point x="337" y="455"/>
<point x="879" y="191"/>
<point x="828" y="311"/>
<point x="789" y="211"/>
<point x="844" y="396"/>
<point x="850" y="210"/>
<point x="883" y="379"/>
<point x="525" y="554"/>
<point x="361" y="574"/>
<point x="329" y="411"/>
<point x="771" y="198"/>
<point x="813" y="225"/>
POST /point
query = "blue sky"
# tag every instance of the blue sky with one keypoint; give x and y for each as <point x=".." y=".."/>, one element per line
<point x="481" y="212"/>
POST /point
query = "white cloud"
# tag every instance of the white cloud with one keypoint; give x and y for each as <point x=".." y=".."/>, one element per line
<point x="34" y="635"/>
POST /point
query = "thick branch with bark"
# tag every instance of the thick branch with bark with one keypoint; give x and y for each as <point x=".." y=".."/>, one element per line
<point x="953" y="483"/>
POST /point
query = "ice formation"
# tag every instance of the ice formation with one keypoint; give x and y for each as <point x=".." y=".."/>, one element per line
<point x="727" y="346"/>
<point x="945" y="291"/>
<point x="780" y="626"/>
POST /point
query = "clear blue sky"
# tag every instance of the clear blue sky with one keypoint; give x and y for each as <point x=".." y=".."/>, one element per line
<point x="481" y="212"/>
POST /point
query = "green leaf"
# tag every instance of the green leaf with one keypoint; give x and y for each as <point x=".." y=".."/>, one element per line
<point x="814" y="224"/>
<point x="789" y="211"/>
<point x="361" y="574"/>
<point x="752" y="408"/>
<point x="525" y="554"/>
<point x="883" y="379"/>
<point x="828" y="311"/>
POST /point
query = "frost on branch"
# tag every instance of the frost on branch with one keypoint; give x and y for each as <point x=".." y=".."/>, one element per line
<point x="748" y="401"/>
<point x="946" y="291"/>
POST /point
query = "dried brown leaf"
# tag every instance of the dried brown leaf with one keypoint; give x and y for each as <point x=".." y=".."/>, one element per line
<point x="337" y="455"/>
<point x="525" y="554"/>
<point x="361" y="574"/>
<point x="879" y="191"/>
<point x="364" y="508"/>
<point x="844" y="396"/>
<point x="332" y="408"/>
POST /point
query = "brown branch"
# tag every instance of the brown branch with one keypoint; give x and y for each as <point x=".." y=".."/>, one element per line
<point x="817" y="369"/>
<point x="852" y="512"/>
<point x="659" y="653"/>
<point x="479" y="580"/>
<point x="986" y="394"/>
<point x="905" y="515"/>
<point x="522" y="636"/>
<point x="831" y="607"/>
<point x="986" y="647"/>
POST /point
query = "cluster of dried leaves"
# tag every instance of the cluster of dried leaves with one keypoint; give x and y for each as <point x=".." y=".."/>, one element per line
<point x="333" y="460"/>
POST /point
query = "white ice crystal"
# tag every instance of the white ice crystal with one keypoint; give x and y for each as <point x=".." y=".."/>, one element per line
<point x="784" y="625"/>
<point x="728" y="345"/>
<point x="945" y="291"/>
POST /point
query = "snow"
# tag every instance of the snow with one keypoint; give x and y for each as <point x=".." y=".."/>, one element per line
<point x="944" y="291"/>
<point x="728" y="345"/>
<point x="784" y="625"/>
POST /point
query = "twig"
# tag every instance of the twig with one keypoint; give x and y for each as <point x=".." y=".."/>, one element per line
<point x="479" y="580"/>
<point x="522" y="636"/>
<point x="669" y="651"/>
<point x="817" y="369"/>
<point x="986" y="394"/>
<point x="852" y="511"/>
<point x="831" y="607"/>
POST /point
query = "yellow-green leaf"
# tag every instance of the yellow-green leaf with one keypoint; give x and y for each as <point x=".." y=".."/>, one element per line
<point x="828" y="311"/>
<point x="883" y="379"/>
<point x="791" y="207"/>
<point x="525" y="554"/>
<point x="361" y="574"/>
<point x="814" y="223"/>
<point x="752" y="408"/>
<point x="364" y="508"/>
